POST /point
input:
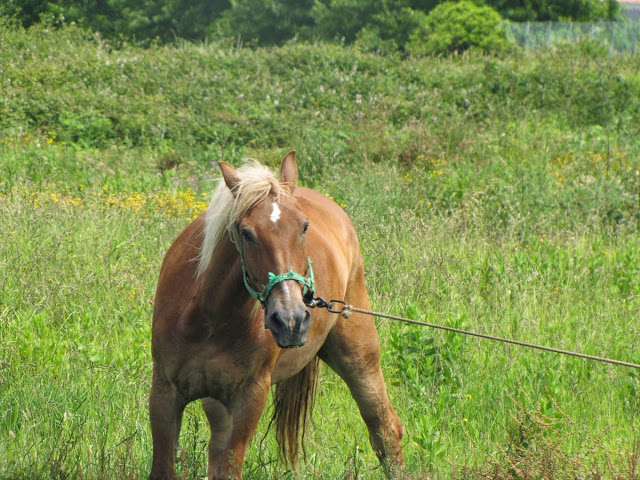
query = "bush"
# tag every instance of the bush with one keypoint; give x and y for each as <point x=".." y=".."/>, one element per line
<point x="557" y="10"/>
<point x="164" y="20"/>
<point x="458" y="26"/>
<point x="265" y="22"/>
<point x="389" y="30"/>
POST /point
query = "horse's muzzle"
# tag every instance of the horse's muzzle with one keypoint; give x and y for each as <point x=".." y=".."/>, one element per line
<point x="289" y="327"/>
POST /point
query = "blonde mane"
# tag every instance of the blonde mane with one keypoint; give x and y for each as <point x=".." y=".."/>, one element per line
<point x="226" y="208"/>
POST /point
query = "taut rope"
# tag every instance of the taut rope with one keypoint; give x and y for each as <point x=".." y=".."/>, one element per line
<point x="345" y="310"/>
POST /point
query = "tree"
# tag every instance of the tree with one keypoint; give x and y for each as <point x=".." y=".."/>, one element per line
<point x="556" y="10"/>
<point x="274" y="22"/>
<point x="136" y="19"/>
<point x="265" y="22"/>
<point x="458" y="26"/>
<point x="342" y="19"/>
<point x="26" y="12"/>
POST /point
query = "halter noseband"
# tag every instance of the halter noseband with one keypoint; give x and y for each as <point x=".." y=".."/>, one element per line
<point x="308" y="283"/>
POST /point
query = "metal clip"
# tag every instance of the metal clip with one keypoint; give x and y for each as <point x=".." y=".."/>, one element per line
<point x="316" y="302"/>
<point x="342" y="308"/>
<point x="332" y="309"/>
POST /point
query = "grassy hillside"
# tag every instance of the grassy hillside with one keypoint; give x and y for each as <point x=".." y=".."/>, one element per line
<point x="500" y="195"/>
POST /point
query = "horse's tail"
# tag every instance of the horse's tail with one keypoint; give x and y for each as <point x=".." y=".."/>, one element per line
<point x="293" y="402"/>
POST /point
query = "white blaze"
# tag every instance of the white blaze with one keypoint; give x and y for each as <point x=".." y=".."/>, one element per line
<point x="275" y="213"/>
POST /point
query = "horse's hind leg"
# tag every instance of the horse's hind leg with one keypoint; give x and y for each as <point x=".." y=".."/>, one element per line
<point x="165" y="412"/>
<point x="352" y="349"/>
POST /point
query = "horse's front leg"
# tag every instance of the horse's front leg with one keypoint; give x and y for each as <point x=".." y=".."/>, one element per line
<point x="232" y="427"/>
<point x="165" y="413"/>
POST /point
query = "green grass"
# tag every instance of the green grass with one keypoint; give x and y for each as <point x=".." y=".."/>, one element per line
<point x="499" y="195"/>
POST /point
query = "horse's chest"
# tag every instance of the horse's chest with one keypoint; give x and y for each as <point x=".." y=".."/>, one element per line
<point x="217" y="373"/>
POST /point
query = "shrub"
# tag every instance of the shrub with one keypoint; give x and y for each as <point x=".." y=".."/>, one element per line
<point x="458" y="26"/>
<point x="265" y="22"/>
<point x="389" y="30"/>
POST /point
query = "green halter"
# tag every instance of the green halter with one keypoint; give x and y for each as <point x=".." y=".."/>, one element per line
<point x="308" y="283"/>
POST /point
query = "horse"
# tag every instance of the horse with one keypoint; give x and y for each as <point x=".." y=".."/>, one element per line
<point x="233" y="316"/>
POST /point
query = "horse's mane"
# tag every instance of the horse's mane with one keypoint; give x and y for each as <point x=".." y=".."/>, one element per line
<point x="226" y="208"/>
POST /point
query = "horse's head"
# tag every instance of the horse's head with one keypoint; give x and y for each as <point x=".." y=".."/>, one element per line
<point x="270" y="237"/>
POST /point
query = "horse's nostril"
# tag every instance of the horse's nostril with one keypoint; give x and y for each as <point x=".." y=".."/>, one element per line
<point x="282" y="322"/>
<point x="276" y="320"/>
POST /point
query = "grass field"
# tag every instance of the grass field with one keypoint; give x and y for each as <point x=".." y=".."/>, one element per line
<point x="499" y="195"/>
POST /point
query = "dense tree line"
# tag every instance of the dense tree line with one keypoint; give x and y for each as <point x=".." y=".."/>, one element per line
<point x="385" y="24"/>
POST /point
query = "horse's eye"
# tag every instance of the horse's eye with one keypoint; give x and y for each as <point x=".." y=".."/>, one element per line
<point x="305" y="227"/>
<point x="247" y="235"/>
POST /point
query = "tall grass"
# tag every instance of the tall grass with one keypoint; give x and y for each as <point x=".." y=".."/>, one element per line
<point x="500" y="195"/>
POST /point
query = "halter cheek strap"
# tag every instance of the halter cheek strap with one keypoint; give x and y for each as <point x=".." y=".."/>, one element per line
<point x="308" y="283"/>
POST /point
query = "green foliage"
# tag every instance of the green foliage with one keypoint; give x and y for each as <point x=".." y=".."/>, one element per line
<point x="143" y="21"/>
<point x="389" y="31"/>
<point x="554" y="10"/>
<point x="383" y="27"/>
<point x="26" y="12"/>
<point x="265" y="22"/>
<point x="377" y="25"/>
<point x="456" y="27"/>
<point x="343" y="19"/>
<point x="199" y="102"/>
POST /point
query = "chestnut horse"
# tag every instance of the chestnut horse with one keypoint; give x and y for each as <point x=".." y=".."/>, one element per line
<point x="231" y="318"/>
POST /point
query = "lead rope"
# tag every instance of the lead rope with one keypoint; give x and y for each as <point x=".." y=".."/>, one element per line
<point x="345" y="310"/>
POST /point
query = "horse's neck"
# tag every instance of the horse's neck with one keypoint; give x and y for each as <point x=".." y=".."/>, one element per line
<point x="222" y="293"/>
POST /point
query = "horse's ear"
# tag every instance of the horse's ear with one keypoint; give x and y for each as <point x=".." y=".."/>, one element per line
<point x="289" y="171"/>
<point x="230" y="175"/>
